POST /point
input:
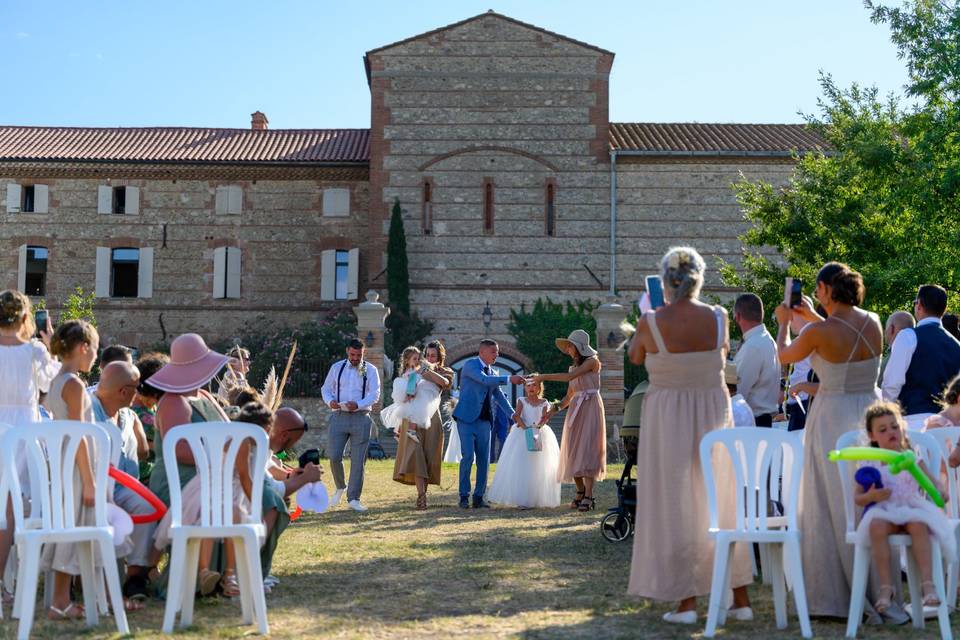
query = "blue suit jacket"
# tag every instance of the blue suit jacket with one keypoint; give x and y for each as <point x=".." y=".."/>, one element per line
<point x="474" y="386"/>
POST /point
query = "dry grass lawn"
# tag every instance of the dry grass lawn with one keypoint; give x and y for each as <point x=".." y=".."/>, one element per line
<point x="398" y="573"/>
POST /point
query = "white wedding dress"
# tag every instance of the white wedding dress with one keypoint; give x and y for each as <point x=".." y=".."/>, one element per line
<point x="418" y="410"/>
<point x="527" y="478"/>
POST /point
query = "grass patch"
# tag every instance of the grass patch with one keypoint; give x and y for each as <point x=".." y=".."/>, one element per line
<point x="398" y="573"/>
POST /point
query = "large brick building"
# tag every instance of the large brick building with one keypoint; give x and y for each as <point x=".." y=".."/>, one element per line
<point x="494" y="136"/>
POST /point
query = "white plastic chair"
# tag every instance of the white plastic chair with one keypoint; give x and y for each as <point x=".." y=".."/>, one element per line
<point x="51" y="452"/>
<point x="946" y="439"/>
<point x="214" y="446"/>
<point x="928" y="451"/>
<point x="751" y="451"/>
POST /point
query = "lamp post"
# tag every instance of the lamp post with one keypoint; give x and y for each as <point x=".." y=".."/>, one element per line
<point x="487" y="316"/>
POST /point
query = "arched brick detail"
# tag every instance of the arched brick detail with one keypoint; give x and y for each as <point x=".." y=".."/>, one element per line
<point x="518" y="152"/>
<point x="507" y="349"/>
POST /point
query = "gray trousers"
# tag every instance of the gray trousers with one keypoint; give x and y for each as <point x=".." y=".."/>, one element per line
<point x="354" y="427"/>
<point x="142" y="536"/>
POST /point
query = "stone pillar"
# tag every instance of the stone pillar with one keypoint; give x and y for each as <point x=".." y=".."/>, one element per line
<point x="371" y="316"/>
<point x="609" y="317"/>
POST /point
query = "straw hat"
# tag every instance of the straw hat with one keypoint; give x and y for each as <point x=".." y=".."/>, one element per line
<point x="192" y="365"/>
<point x="730" y="373"/>
<point x="581" y="340"/>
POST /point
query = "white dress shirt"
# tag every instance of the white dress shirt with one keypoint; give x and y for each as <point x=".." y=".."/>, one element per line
<point x="901" y="353"/>
<point x="742" y="413"/>
<point x="758" y="370"/>
<point x="351" y="385"/>
<point x="800" y="373"/>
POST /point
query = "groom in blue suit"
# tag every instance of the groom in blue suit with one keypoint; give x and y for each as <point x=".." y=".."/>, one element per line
<point x="479" y="390"/>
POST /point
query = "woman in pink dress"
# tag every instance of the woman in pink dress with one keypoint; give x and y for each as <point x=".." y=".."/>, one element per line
<point x="583" y="445"/>
<point x="684" y="346"/>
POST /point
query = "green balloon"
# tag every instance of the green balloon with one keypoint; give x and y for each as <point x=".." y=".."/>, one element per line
<point x="897" y="461"/>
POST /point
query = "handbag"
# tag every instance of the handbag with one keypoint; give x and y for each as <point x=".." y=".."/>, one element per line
<point x="534" y="443"/>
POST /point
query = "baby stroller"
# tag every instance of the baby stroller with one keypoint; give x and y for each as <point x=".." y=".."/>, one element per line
<point x="618" y="524"/>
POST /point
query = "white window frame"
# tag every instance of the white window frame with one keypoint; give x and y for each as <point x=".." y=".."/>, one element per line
<point x="131" y="200"/>
<point x="328" y="275"/>
<point x="228" y="199"/>
<point x="227" y="273"/>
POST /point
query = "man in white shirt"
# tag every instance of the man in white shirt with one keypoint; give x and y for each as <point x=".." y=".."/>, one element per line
<point x="798" y="405"/>
<point x="758" y="367"/>
<point x="922" y="359"/>
<point x="351" y="389"/>
<point x="742" y="413"/>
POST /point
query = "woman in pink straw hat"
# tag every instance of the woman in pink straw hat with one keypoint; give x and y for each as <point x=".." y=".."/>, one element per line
<point x="192" y="365"/>
<point x="583" y="446"/>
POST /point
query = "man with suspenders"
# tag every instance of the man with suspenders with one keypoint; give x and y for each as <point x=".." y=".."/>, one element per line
<point x="351" y="389"/>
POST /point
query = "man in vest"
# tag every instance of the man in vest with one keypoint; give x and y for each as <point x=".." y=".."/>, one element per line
<point x="351" y="389"/>
<point x="922" y="359"/>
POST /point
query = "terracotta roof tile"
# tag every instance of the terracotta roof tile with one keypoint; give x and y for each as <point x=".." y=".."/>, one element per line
<point x="714" y="139"/>
<point x="183" y="144"/>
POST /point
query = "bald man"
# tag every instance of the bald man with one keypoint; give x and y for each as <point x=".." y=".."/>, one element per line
<point x="111" y="409"/>
<point x="897" y="322"/>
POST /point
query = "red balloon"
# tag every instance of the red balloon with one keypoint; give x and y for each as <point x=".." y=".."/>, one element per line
<point x="128" y="481"/>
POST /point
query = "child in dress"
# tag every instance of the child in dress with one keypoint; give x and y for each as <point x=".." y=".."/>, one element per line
<point x="415" y="399"/>
<point x="950" y="415"/>
<point x="899" y="507"/>
<point x="252" y="413"/>
<point x="526" y="478"/>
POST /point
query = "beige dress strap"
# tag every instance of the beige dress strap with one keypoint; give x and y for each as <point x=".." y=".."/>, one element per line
<point x="657" y="338"/>
<point x="860" y="337"/>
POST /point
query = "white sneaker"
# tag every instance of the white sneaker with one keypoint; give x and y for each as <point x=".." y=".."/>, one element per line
<point x="741" y="614"/>
<point x="337" y="497"/>
<point x="356" y="506"/>
<point x="686" y="617"/>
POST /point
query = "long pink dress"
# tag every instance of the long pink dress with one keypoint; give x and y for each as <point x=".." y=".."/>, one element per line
<point x="583" y="445"/>
<point x="687" y="399"/>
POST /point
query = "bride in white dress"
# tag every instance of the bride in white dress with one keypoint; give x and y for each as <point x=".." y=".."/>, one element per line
<point x="418" y="407"/>
<point x="527" y="478"/>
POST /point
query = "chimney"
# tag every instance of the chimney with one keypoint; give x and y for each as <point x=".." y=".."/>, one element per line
<point x="258" y="121"/>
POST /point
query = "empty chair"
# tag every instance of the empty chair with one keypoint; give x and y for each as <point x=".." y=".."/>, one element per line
<point x="215" y="446"/>
<point x="51" y="454"/>
<point x="752" y="451"/>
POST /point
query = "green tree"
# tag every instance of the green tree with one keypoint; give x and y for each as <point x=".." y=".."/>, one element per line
<point x="884" y="196"/>
<point x="535" y="332"/>
<point x="79" y="306"/>
<point x="404" y="327"/>
<point x="398" y="274"/>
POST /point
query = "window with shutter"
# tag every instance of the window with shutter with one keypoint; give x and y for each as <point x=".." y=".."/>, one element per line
<point x="124" y="273"/>
<point x="118" y="203"/>
<point x="13" y="198"/>
<point x="41" y="198"/>
<point x="336" y="201"/>
<point x="35" y="271"/>
<point x="226" y="273"/>
<point x="328" y="274"/>
<point x="27" y="200"/>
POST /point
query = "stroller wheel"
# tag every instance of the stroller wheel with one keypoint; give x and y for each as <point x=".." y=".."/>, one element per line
<point x="615" y="526"/>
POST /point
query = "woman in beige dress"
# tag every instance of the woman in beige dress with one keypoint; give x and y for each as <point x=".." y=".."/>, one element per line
<point x="418" y="461"/>
<point x="684" y="347"/>
<point x="583" y="445"/>
<point x="845" y="353"/>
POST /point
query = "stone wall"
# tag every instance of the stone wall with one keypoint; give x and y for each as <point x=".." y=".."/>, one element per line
<point x="492" y="101"/>
<point x="281" y="233"/>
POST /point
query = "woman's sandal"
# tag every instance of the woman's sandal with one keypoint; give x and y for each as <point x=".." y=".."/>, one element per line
<point x="72" y="611"/>
<point x="207" y="582"/>
<point x="229" y="585"/>
<point x="576" y="501"/>
<point x="883" y="603"/>
<point x="422" y="502"/>
<point x="587" y="504"/>
<point x="930" y="598"/>
<point x="5" y="596"/>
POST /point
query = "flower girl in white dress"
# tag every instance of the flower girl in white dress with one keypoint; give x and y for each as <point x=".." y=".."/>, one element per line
<point x="526" y="473"/>
<point x="415" y="399"/>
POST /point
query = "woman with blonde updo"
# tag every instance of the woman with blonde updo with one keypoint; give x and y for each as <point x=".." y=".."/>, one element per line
<point x="684" y="346"/>
<point x="26" y="369"/>
<point x="844" y="352"/>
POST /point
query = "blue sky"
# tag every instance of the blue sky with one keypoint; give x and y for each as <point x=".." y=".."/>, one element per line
<point x="212" y="62"/>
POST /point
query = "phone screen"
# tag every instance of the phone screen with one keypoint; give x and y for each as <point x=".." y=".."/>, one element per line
<point x="655" y="291"/>
<point x="796" y="293"/>
<point x="40" y="318"/>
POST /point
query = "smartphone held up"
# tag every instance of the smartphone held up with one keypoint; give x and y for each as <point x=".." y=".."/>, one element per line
<point x="793" y="292"/>
<point x="655" y="291"/>
<point x="40" y="319"/>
